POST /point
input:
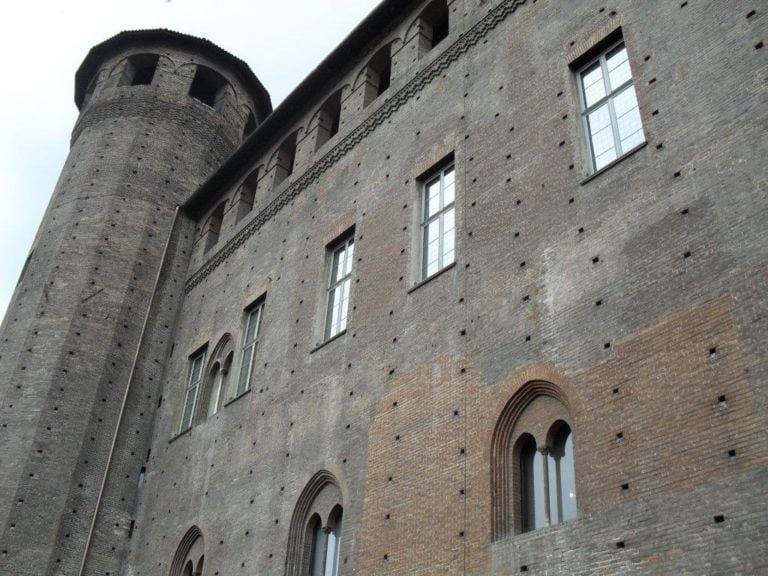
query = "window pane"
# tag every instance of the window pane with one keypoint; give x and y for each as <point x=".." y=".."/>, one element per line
<point x="318" y="550"/>
<point x="625" y="101"/>
<point x="338" y="262"/>
<point x="449" y="235"/>
<point x="342" y="324"/>
<point x="605" y="158"/>
<point x="592" y="81"/>
<point x="350" y="257"/>
<point x="189" y="405"/>
<point x="197" y="368"/>
<point x="532" y="473"/>
<point x="244" y="383"/>
<point x="334" y="306"/>
<point x="538" y="488"/>
<point x="602" y="141"/>
<point x="568" y="480"/>
<point x="251" y="329"/>
<point x="433" y="198"/>
<point x="628" y="119"/>
<point x="448" y="188"/>
<point x="213" y="401"/>
<point x="333" y="548"/>
<point x="599" y="119"/>
<point x="432" y="251"/>
<point x="618" y="67"/>
<point x="601" y="136"/>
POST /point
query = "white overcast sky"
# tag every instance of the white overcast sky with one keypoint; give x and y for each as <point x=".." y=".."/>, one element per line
<point x="45" y="41"/>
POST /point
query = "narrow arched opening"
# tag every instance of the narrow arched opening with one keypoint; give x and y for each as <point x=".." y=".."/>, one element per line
<point x="328" y="119"/>
<point x="284" y="158"/>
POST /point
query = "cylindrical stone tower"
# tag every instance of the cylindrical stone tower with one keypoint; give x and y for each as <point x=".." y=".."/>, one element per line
<point x="87" y="330"/>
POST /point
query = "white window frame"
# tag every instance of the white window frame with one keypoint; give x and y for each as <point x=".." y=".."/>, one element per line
<point x="192" y="389"/>
<point x="336" y="317"/>
<point x="248" y="355"/>
<point x="440" y="217"/>
<point x="611" y="93"/>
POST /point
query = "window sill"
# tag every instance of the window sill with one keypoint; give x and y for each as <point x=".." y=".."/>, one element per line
<point x="180" y="434"/>
<point x="236" y="398"/>
<point x="326" y="342"/>
<point x="430" y="278"/>
<point x="612" y="164"/>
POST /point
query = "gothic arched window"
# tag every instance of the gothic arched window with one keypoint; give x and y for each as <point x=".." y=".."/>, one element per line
<point x="190" y="555"/>
<point x="315" y="536"/>
<point x="216" y="385"/>
<point x="533" y="472"/>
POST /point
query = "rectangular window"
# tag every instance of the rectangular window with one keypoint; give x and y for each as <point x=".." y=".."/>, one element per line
<point x="610" y="114"/>
<point x="438" y="223"/>
<point x="196" y="364"/>
<point x="339" y="284"/>
<point x="250" y="341"/>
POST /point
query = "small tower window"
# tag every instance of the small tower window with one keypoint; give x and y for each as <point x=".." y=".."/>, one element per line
<point x="284" y="159"/>
<point x="208" y="86"/>
<point x="213" y="227"/>
<point x="433" y="26"/>
<point x="250" y="125"/>
<point x="246" y="195"/>
<point x="328" y="119"/>
<point x="139" y="70"/>
<point x="378" y="74"/>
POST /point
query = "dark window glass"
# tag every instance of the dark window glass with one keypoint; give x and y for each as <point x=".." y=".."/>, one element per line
<point x="562" y="482"/>
<point x="532" y="485"/>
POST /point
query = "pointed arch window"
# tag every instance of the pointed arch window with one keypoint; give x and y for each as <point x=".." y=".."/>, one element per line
<point x="532" y="461"/>
<point x="316" y="532"/>
<point x="189" y="558"/>
<point x="325" y="544"/>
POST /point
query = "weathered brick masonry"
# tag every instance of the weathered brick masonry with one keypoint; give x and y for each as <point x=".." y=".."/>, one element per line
<point x="633" y="299"/>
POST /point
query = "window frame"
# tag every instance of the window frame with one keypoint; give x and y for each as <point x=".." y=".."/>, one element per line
<point x="346" y="244"/>
<point x="425" y="220"/>
<point x="192" y="387"/>
<point x="249" y="346"/>
<point x="611" y="93"/>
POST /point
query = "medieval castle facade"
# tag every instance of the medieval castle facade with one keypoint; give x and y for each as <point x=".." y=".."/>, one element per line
<point x="486" y="294"/>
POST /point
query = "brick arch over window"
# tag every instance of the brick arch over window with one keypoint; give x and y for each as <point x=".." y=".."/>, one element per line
<point x="503" y="455"/>
<point x="320" y="501"/>
<point x="191" y="549"/>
